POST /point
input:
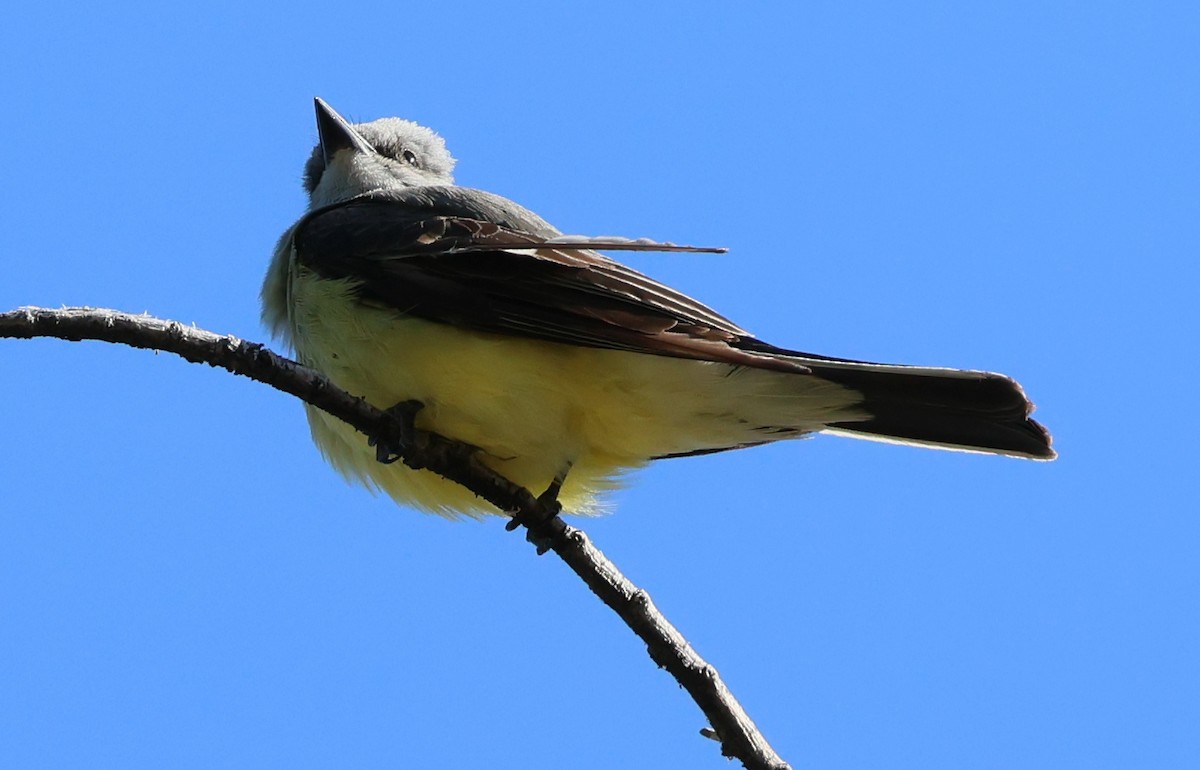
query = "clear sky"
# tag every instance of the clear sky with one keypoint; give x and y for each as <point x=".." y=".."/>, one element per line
<point x="183" y="583"/>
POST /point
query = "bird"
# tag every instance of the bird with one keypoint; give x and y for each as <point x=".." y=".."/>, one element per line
<point x="563" y="368"/>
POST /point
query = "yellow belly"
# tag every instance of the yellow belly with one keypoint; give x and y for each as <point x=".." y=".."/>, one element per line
<point x="534" y="408"/>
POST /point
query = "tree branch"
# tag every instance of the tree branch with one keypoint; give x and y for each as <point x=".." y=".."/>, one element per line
<point x="738" y="735"/>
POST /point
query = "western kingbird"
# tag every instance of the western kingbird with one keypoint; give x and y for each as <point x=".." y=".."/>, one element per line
<point x="552" y="359"/>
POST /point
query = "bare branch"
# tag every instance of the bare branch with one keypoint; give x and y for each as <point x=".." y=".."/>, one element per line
<point x="739" y="737"/>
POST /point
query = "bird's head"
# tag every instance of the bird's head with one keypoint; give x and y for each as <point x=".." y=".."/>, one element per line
<point x="389" y="153"/>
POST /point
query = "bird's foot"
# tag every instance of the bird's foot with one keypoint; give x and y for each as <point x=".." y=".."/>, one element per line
<point x="542" y="532"/>
<point x="390" y="446"/>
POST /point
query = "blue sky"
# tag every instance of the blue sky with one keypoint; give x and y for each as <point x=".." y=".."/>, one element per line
<point x="1014" y="187"/>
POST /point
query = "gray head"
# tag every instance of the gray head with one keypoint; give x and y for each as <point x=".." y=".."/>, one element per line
<point x="384" y="154"/>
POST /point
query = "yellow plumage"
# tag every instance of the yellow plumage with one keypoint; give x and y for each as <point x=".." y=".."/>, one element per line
<point x="532" y="407"/>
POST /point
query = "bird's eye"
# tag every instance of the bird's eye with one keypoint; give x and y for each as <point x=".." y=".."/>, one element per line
<point x="410" y="158"/>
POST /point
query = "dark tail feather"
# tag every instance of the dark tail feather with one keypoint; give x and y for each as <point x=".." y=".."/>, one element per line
<point x="975" y="411"/>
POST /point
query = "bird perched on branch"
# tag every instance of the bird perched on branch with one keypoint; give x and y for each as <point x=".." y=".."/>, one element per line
<point x="562" y="366"/>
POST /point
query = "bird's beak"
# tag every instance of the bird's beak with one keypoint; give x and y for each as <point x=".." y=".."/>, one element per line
<point x="336" y="133"/>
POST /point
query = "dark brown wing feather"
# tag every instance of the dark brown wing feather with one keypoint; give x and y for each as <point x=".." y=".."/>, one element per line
<point x="443" y="264"/>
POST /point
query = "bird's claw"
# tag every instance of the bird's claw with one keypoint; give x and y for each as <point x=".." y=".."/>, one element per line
<point x="536" y="530"/>
<point x="390" y="447"/>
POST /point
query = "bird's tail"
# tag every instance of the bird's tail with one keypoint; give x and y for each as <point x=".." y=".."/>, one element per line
<point x="948" y="408"/>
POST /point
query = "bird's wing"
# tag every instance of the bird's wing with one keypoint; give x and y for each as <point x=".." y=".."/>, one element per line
<point x="474" y="260"/>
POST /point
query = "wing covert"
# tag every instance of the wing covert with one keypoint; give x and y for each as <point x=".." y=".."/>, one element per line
<point x="470" y="262"/>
